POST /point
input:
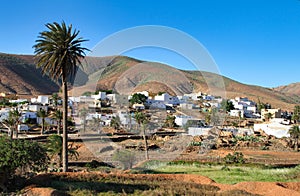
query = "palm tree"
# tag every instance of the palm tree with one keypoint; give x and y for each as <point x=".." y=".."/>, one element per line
<point x="294" y="132"/>
<point x="12" y="122"/>
<point x="42" y="114"/>
<point x="141" y="119"/>
<point x="57" y="115"/>
<point x="170" y="121"/>
<point x="115" y="122"/>
<point x="58" y="52"/>
<point x="55" y="147"/>
<point x="55" y="99"/>
<point x="83" y="114"/>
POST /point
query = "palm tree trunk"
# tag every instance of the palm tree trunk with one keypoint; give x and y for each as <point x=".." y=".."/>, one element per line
<point x="43" y="126"/>
<point x="146" y="143"/>
<point x="65" y="120"/>
<point x="16" y="129"/>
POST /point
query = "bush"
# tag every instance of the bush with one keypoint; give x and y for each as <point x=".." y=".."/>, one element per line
<point x="237" y="157"/>
<point x="125" y="157"/>
<point x="26" y="156"/>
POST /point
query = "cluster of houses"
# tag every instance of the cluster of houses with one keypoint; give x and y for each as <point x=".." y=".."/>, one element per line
<point x="243" y="107"/>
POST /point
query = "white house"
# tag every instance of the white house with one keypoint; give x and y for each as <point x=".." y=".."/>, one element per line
<point x="125" y="118"/>
<point x="194" y="96"/>
<point x="167" y="99"/>
<point x="43" y="99"/>
<point x="182" y="120"/>
<point x="275" y="113"/>
<point x="4" y="113"/>
<point x="138" y="106"/>
<point x="237" y="113"/>
<point x="100" y="95"/>
<point x="158" y="105"/>
<point x="112" y="98"/>
<point x="186" y="106"/>
<point x="36" y="108"/>
<point x="48" y="121"/>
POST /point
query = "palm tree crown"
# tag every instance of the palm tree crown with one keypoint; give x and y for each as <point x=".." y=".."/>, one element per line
<point x="58" y="51"/>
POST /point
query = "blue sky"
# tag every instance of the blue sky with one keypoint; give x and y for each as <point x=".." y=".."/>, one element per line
<point x="254" y="42"/>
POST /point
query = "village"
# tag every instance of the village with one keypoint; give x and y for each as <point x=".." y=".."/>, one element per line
<point x="192" y="114"/>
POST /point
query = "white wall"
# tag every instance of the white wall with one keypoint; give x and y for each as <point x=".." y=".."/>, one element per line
<point x="276" y="129"/>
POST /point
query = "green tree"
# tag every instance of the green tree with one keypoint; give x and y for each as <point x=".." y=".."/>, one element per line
<point x="227" y="105"/>
<point x="115" y="122"/>
<point x="42" y="114"/>
<point x="296" y="114"/>
<point x="20" y="154"/>
<point x="142" y="120"/>
<point x="55" y="148"/>
<point x="268" y="116"/>
<point x="138" y="98"/>
<point x="170" y="121"/>
<point x="58" y="52"/>
<point x="294" y="132"/>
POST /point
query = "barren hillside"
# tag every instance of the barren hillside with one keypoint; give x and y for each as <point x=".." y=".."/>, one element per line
<point x="126" y="75"/>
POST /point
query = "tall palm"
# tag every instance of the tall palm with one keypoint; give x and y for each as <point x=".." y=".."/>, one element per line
<point x="58" y="52"/>
<point x="141" y="119"/>
<point x="42" y="114"/>
<point x="294" y="132"/>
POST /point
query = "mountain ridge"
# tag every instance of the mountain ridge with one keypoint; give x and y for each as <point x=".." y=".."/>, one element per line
<point x="126" y="75"/>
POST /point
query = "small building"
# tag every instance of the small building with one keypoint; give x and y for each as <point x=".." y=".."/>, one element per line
<point x="36" y="107"/>
<point x="138" y="106"/>
<point x="237" y="113"/>
<point x="99" y="96"/>
<point x="182" y="120"/>
<point x="43" y="99"/>
<point x="275" y="113"/>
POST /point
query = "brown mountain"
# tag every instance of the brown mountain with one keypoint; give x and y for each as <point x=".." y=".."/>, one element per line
<point x="291" y="89"/>
<point x="19" y="75"/>
<point x="126" y="75"/>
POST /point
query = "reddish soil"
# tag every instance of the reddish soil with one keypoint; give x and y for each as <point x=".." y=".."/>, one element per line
<point x="261" y="188"/>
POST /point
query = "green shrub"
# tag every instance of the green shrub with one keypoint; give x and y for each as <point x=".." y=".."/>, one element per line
<point x="26" y="156"/>
<point x="236" y="157"/>
<point x="125" y="157"/>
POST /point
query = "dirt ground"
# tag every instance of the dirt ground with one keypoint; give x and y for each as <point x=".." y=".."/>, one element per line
<point x="260" y="188"/>
<point x="253" y="155"/>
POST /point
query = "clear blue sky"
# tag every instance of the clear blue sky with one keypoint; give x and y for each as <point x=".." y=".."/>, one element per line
<point x="252" y="41"/>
